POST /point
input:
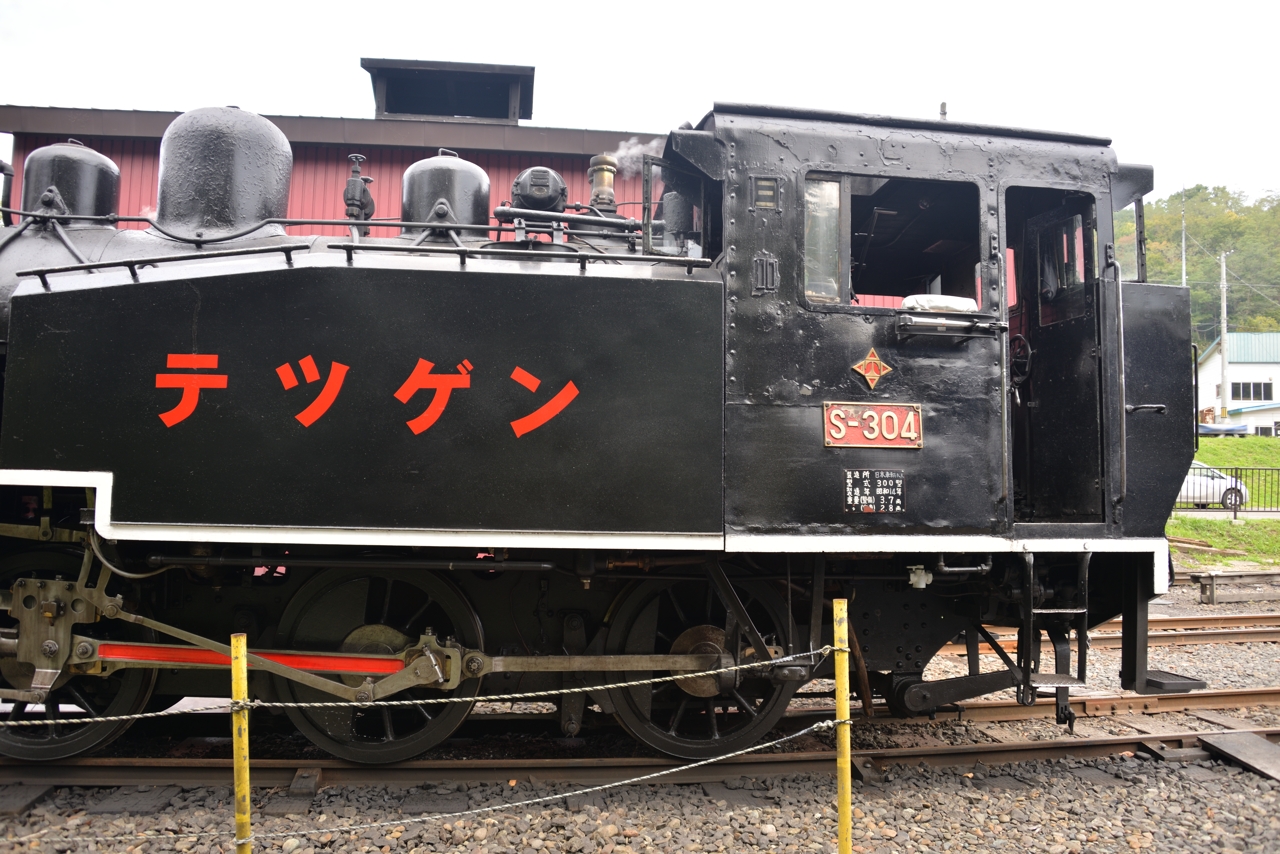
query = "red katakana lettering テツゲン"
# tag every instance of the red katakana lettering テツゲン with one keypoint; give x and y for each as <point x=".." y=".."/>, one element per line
<point x="189" y="383"/>
<point x="328" y="394"/>
<point x="548" y="410"/>
<point x="443" y="384"/>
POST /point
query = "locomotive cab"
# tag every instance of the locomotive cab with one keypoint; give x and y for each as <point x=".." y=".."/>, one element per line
<point x="889" y="271"/>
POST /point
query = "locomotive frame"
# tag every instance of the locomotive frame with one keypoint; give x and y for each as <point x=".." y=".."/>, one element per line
<point x="687" y="500"/>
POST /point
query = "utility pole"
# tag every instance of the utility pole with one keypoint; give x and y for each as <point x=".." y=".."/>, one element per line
<point x="1222" y="342"/>
<point x="1184" y="237"/>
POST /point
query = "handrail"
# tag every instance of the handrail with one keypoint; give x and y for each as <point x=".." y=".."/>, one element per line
<point x="1114" y="262"/>
<point x="110" y="219"/>
<point x="134" y="263"/>
<point x="506" y="212"/>
<point x="528" y="254"/>
<point x="1195" y="391"/>
<point x="929" y="324"/>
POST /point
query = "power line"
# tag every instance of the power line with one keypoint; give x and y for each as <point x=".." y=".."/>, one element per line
<point x="1230" y="284"/>
<point x="1261" y="294"/>
<point x="1206" y="252"/>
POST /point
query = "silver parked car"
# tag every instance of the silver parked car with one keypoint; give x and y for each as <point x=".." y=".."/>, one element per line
<point x="1204" y="486"/>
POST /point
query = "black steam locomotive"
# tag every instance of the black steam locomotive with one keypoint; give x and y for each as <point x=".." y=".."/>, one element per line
<point x="543" y="445"/>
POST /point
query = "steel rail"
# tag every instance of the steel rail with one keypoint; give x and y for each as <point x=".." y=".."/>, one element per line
<point x="1096" y="705"/>
<point x="1212" y="621"/>
<point x="111" y="771"/>
<point x="1194" y="637"/>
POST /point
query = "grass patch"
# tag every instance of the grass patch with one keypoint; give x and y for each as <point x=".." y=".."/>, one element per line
<point x="1259" y="538"/>
<point x="1228" y="451"/>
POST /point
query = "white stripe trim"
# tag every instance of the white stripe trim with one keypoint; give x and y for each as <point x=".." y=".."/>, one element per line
<point x="834" y="543"/>
<point x="776" y="543"/>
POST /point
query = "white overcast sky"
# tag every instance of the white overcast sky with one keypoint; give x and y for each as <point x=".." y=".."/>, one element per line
<point x="1187" y="87"/>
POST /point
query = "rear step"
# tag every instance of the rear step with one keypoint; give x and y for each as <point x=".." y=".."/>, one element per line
<point x="1172" y="683"/>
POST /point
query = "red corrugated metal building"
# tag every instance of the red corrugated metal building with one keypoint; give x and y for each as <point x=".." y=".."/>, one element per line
<point x="391" y="142"/>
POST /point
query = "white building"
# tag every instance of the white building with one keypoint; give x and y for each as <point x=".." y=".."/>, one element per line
<point x="1253" y="379"/>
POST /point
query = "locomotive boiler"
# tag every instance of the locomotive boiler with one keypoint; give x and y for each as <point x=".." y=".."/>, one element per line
<point x="541" y="445"/>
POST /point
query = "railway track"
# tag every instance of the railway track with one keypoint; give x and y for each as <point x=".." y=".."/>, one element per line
<point x="280" y="773"/>
<point x="271" y="773"/>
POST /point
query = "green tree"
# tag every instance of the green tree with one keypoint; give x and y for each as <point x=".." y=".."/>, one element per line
<point x="1260" y="323"/>
<point x="1218" y="220"/>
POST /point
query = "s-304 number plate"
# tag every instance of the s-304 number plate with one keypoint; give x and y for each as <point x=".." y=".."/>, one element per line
<point x="872" y="425"/>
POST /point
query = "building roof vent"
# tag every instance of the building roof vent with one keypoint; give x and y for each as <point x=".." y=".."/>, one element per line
<point x="461" y="91"/>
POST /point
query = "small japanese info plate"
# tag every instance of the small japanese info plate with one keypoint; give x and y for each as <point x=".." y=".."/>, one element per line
<point x="872" y="425"/>
<point x="873" y="491"/>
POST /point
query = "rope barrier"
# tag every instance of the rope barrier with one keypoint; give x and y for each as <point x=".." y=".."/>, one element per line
<point x="235" y="705"/>
<point x="224" y="706"/>
<point x="494" y="698"/>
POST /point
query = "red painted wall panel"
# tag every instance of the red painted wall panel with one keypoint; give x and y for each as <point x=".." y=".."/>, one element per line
<point x="320" y="173"/>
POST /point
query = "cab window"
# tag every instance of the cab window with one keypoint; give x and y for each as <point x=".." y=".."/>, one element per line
<point x="872" y="242"/>
<point x="1052" y="252"/>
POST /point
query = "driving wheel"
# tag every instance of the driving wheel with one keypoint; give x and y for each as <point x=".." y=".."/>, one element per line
<point x="73" y="698"/>
<point x="376" y="612"/>
<point x="708" y="715"/>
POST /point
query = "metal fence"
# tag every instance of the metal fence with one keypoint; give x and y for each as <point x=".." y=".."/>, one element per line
<point x="1240" y="489"/>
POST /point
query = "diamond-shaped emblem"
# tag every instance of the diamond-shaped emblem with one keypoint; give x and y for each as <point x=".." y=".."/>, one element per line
<point x="872" y="368"/>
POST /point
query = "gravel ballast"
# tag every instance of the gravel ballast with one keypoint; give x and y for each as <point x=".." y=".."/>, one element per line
<point x="1122" y="804"/>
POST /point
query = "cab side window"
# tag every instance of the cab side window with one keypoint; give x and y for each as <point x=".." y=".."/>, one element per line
<point x="822" y="283"/>
<point x="874" y="242"/>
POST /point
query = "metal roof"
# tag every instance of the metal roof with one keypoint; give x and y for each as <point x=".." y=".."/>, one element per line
<point x="1240" y="410"/>
<point x="1247" y="348"/>
<point x="456" y="134"/>
<point x="910" y="124"/>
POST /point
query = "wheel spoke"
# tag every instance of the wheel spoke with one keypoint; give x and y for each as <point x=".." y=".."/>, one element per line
<point x="374" y="591"/>
<point x="51" y="715"/>
<point x="675" y="719"/>
<point x="743" y="703"/>
<point x="81" y="700"/>
<point x="386" y="603"/>
<point x="408" y="624"/>
<point x="711" y="718"/>
<point x="387" y="725"/>
<point x="676" y="605"/>
<point x="18" y="711"/>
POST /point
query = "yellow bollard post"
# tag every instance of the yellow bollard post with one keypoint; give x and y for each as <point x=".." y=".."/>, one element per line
<point x="844" y="768"/>
<point x="240" y="741"/>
